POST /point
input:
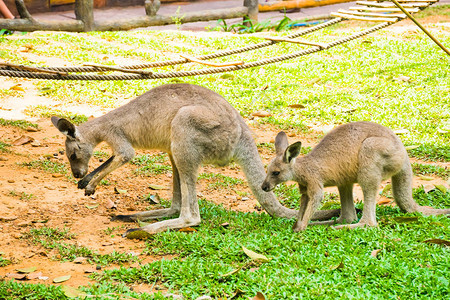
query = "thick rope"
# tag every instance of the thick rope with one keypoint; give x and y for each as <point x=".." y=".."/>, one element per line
<point x="195" y="72"/>
<point x="203" y="57"/>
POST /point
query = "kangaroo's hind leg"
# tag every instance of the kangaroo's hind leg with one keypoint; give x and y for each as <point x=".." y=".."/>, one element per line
<point x="402" y="190"/>
<point x="174" y="209"/>
<point x="189" y="145"/>
<point x="372" y="160"/>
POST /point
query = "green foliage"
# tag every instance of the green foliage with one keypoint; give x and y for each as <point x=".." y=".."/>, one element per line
<point x="151" y="164"/>
<point x="46" y="112"/>
<point x="51" y="238"/>
<point x="17" y="123"/>
<point x="249" y="26"/>
<point x="4" y="147"/>
<point x="320" y="262"/>
<point x="47" y="165"/>
<point x="421" y="169"/>
<point x="220" y="181"/>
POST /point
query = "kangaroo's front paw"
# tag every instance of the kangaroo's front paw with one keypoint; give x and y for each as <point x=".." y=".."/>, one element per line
<point x="90" y="190"/>
<point x="83" y="183"/>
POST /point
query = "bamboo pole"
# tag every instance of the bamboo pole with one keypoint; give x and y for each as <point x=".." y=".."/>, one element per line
<point x="421" y="27"/>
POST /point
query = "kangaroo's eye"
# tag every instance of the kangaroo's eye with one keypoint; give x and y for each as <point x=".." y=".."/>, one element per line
<point x="275" y="173"/>
<point x="73" y="157"/>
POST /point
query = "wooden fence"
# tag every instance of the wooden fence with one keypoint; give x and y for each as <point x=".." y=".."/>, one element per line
<point x="84" y="12"/>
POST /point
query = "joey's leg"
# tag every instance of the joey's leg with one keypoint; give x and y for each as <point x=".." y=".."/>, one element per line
<point x="315" y="194"/>
<point x="174" y="209"/>
<point x="369" y="179"/>
<point x="348" y="211"/>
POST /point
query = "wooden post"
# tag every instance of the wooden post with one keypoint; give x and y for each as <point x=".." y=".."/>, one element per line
<point x="84" y="11"/>
<point x="252" y="6"/>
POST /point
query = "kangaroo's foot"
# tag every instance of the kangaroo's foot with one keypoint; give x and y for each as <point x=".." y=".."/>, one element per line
<point x="177" y="223"/>
<point x="147" y="215"/>
<point x="356" y="225"/>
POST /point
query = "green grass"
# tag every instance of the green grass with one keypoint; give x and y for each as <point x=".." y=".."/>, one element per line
<point x="4" y="147"/>
<point x="352" y="82"/>
<point x="151" y="164"/>
<point x="51" y="238"/>
<point x="17" y="123"/>
<point x="46" y="112"/>
<point x="421" y="169"/>
<point x="302" y="264"/>
<point x="47" y="165"/>
<point x="217" y="181"/>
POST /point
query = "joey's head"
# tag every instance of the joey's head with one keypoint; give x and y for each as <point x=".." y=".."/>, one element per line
<point x="280" y="169"/>
<point x="78" y="151"/>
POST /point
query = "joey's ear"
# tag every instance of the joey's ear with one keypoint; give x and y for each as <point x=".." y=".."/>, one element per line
<point x="66" y="128"/>
<point x="292" y="151"/>
<point x="281" y="143"/>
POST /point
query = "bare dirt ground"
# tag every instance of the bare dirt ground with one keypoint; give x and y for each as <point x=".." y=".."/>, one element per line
<point x="34" y="198"/>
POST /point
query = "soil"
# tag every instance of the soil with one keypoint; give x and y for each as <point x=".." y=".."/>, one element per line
<point x="34" y="198"/>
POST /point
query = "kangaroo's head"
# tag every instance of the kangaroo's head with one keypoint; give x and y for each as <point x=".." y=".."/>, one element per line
<point x="280" y="169"/>
<point x="78" y="151"/>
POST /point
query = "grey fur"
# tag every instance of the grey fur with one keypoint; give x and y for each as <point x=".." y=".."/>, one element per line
<point x="193" y="125"/>
<point x="361" y="152"/>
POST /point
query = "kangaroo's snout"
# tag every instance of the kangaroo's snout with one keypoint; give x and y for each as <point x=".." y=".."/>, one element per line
<point x="265" y="186"/>
<point x="78" y="174"/>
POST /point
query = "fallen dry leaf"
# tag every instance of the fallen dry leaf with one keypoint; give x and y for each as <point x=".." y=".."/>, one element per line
<point x="110" y="204"/>
<point x="16" y="276"/>
<point x="17" y="87"/>
<point x="254" y="255"/>
<point x="296" y="106"/>
<point x="61" y="279"/>
<point x="24" y="139"/>
<point x="261" y="114"/>
<point x="374" y="253"/>
<point x="438" y="242"/>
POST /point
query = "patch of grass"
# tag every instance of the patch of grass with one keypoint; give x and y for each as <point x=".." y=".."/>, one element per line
<point x="17" y="123"/>
<point x="51" y="238"/>
<point x="220" y="181"/>
<point x="47" y="165"/>
<point x="3" y="261"/>
<point x="13" y="290"/>
<point x="301" y="263"/>
<point x="100" y="154"/>
<point x="421" y="169"/>
<point x="46" y="112"/>
<point x="4" y="147"/>
<point x="151" y="164"/>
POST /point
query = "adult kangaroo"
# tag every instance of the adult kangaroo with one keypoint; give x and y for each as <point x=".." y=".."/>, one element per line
<point x="193" y="125"/>
<point x="361" y="152"/>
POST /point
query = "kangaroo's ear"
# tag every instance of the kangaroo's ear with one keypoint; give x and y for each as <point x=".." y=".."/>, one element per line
<point x="281" y="143"/>
<point x="292" y="151"/>
<point x="65" y="126"/>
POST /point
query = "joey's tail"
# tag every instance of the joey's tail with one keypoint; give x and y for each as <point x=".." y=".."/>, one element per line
<point x="402" y="190"/>
<point x="248" y="157"/>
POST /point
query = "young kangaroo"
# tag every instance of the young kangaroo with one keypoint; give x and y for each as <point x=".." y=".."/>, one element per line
<point x="362" y="152"/>
<point x="193" y="125"/>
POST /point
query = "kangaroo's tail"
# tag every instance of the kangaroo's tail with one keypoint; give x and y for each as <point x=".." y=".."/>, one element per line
<point x="247" y="156"/>
<point x="402" y="190"/>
